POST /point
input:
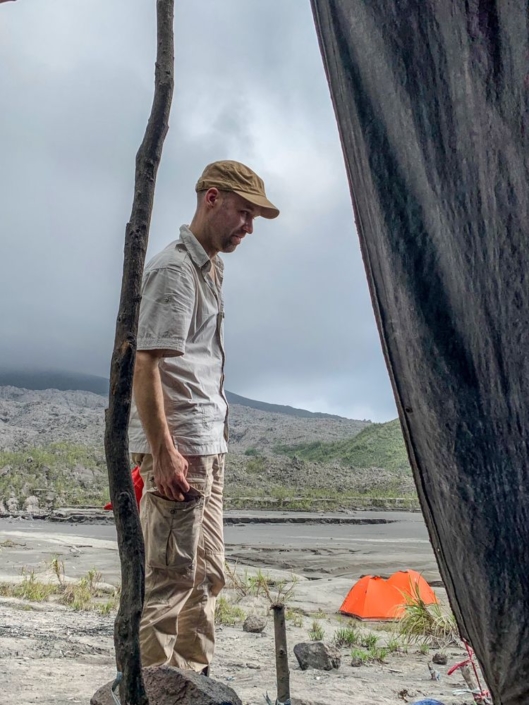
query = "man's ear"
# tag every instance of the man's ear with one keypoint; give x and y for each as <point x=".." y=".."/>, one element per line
<point x="212" y="197"/>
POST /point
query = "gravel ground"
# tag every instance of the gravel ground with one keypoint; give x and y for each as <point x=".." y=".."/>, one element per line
<point x="53" y="656"/>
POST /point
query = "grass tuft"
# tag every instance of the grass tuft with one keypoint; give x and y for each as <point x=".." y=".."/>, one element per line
<point x="426" y="624"/>
<point x="278" y="592"/>
<point x="369" y="641"/>
<point x="228" y="614"/>
<point x="30" y="589"/>
<point x="346" y="636"/>
<point x="81" y="595"/>
<point x="359" y="657"/>
<point x="294" y="616"/>
<point x="316" y="632"/>
<point x="393" y="646"/>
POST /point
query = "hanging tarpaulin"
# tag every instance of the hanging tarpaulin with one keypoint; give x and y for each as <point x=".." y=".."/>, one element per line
<point x="431" y="99"/>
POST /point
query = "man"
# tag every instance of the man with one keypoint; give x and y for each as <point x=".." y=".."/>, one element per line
<point x="179" y="420"/>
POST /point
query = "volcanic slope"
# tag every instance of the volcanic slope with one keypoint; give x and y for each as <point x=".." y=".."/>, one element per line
<point x="51" y="447"/>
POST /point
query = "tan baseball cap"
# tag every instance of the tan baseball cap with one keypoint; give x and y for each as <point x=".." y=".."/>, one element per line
<point x="233" y="176"/>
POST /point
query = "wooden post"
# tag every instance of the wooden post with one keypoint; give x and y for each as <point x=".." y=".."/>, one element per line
<point x="469" y="680"/>
<point x="130" y="540"/>
<point x="282" y="672"/>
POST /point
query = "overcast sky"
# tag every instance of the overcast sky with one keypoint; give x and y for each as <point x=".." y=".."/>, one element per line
<point x="76" y="80"/>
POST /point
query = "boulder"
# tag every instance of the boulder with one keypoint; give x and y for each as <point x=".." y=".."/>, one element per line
<point x="31" y="504"/>
<point x="254" y="624"/>
<point x="12" y="504"/>
<point x="440" y="659"/>
<point x="316" y="654"/>
<point x="166" y="685"/>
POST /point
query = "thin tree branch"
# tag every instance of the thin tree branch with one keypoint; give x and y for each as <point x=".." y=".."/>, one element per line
<point x="130" y="539"/>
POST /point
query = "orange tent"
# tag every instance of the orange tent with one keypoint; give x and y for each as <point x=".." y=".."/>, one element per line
<point x="411" y="583"/>
<point x="373" y="598"/>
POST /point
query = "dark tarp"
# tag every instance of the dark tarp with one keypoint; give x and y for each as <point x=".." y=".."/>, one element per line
<point x="431" y="98"/>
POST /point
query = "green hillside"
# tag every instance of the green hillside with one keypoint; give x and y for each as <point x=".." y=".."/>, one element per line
<point x="60" y="474"/>
<point x="377" y="446"/>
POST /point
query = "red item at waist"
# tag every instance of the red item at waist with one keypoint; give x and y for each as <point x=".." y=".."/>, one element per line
<point x="137" y="482"/>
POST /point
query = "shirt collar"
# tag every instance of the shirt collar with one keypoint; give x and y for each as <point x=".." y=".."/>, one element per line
<point x="197" y="253"/>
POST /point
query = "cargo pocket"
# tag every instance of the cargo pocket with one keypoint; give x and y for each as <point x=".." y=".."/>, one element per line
<point x="172" y="533"/>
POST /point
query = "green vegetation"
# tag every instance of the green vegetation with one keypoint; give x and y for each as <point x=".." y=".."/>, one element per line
<point x="316" y="632"/>
<point x="295" y="616"/>
<point x="373" y="654"/>
<point x="59" y="473"/>
<point x="276" y="591"/>
<point x="31" y="588"/>
<point x="393" y="646"/>
<point x="427" y="624"/>
<point x="245" y="583"/>
<point x="379" y="654"/>
<point x="256" y="465"/>
<point x="228" y="614"/>
<point x="346" y="636"/>
<point x="376" y="446"/>
<point x="366" y="645"/>
<point x="82" y="595"/>
<point x="314" y="499"/>
<point x="369" y="641"/>
<point x="310" y="477"/>
<point x="359" y="657"/>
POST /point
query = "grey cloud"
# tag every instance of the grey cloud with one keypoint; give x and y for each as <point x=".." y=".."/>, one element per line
<point x="77" y="88"/>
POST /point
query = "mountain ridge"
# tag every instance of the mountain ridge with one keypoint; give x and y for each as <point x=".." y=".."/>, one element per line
<point x="77" y="381"/>
<point x="51" y="447"/>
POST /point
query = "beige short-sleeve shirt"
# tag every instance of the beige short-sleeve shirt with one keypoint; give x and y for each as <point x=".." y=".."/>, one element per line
<point x="182" y="314"/>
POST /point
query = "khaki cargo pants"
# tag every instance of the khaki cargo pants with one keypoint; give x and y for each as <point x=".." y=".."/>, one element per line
<point x="184" y="566"/>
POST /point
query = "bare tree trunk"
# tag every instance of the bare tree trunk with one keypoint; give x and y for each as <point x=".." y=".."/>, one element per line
<point x="130" y="539"/>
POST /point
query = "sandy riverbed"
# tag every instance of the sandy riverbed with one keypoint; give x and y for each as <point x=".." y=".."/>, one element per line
<point x="53" y="656"/>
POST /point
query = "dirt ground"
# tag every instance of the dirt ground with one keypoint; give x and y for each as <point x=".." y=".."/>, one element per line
<point x="52" y="655"/>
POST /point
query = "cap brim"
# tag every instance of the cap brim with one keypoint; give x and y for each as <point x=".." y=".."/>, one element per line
<point x="268" y="210"/>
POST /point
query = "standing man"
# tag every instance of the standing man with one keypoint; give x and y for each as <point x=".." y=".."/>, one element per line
<point x="179" y="420"/>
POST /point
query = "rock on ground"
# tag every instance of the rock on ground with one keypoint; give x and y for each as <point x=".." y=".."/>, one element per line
<point x="254" y="624"/>
<point x="166" y="685"/>
<point x="316" y="654"/>
<point x="440" y="659"/>
<point x="31" y="504"/>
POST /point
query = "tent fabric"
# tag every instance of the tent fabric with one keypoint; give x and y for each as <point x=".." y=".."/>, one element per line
<point x="431" y="100"/>
<point x="411" y="583"/>
<point x="373" y="598"/>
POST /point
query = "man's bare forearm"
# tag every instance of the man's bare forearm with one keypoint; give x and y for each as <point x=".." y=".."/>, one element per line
<point x="169" y="466"/>
<point x="148" y="396"/>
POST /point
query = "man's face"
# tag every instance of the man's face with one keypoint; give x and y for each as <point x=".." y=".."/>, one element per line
<point x="233" y="221"/>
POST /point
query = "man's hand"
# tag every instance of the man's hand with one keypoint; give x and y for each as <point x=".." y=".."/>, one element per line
<point x="170" y="471"/>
